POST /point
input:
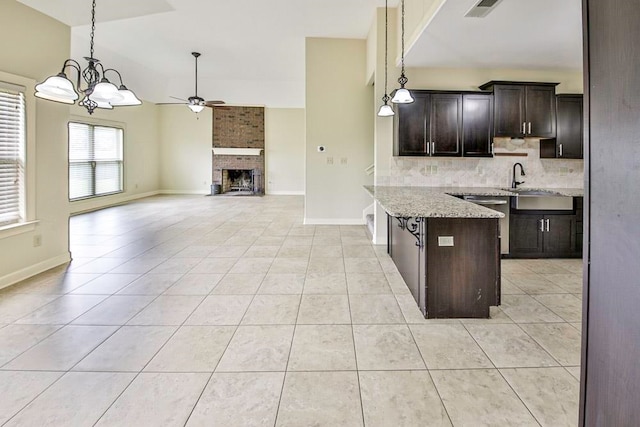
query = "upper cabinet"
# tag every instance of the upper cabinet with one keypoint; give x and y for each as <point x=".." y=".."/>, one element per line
<point x="523" y="109"/>
<point x="570" y="130"/>
<point x="477" y="125"/>
<point x="444" y="124"/>
<point x="429" y="126"/>
<point x="411" y="129"/>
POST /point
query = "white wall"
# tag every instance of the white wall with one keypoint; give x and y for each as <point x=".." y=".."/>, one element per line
<point x="339" y="116"/>
<point x="285" y="150"/>
<point x="43" y="46"/>
<point x="141" y="151"/>
<point x="185" y="150"/>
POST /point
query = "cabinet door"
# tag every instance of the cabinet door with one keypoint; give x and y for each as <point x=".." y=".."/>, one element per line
<point x="445" y="120"/>
<point x="411" y="127"/>
<point x="541" y="111"/>
<point x="569" y="126"/>
<point x="509" y="110"/>
<point x="525" y="234"/>
<point x="477" y="125"/>
<point x="559" y="235"/>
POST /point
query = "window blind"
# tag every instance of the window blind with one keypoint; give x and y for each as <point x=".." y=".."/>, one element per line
<point x="12" y="153"/>
<point x="95" y="160"/>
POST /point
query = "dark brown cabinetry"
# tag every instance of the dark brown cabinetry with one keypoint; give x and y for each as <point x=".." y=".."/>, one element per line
<point x="477" y="125"/>
<point x="543" y="236"/>
<point x="523" y="109"/>
<point x="450" y="265"/>
<point x="445" y="124"/>
<point x="540" y="234"/>
<point x="569" y="130"/>
<point x="429" y="126"/>
<point x="411" y="126"/>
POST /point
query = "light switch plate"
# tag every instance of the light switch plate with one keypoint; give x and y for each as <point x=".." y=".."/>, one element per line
<point x="445" y="240"/>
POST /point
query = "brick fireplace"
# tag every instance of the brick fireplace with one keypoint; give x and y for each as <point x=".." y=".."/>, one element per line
<point x="238" y="128"/>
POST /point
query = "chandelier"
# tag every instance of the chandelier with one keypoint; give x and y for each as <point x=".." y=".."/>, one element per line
<point x="99" y="91"/>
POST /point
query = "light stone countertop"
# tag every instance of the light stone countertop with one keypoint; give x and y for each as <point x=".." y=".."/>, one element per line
<point x="427" y="202"/>
<point x="438" y="202"/>
<point x="568" y="192"/>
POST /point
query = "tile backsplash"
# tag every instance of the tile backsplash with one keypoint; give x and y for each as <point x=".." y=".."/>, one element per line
<point x="486" y="172"/>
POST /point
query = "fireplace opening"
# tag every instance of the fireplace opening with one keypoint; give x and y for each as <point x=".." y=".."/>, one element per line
<point x="241" y="181"/>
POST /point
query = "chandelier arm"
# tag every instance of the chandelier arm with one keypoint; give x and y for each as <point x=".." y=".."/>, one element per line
<point x="104" y="72"/>
<point x="72" y="63"/>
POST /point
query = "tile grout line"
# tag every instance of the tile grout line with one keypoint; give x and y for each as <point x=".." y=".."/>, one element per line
<point x="225" y="349"/>
<point x="293" y="336"/>
<point x="353" y="334"/>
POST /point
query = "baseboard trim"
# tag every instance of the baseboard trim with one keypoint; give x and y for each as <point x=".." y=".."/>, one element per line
<point x="334" y="221"/>
<point x="185" y="192"/>
<point x="285" y="193"/>
<point x="84" y="206"/>
<point x="32" y="270"/>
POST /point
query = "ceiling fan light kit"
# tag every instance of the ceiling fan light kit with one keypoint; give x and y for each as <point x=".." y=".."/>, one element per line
<point x="402" y="95"/>
<point x="99" y="91"/>
<point x="195" y="103"/>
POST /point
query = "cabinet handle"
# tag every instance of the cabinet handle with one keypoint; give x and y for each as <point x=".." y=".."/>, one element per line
<point x="524" y="128"/>
<point x="426" y="147"/>
<point x="542" y="225"/>
<point x="529" y="128"/>
<point x="492" y="152"/>
<point x="433" y="148"/>
<point x="547" y="225"/>
<point x="560" y="150"/>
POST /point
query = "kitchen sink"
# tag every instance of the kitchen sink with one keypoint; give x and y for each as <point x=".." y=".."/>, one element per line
<point x="540" y="200"/>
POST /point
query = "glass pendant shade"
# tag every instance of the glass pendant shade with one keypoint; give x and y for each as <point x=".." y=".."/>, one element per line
<point x="128" y="98"/>
<point x="57" y="88"/>
<point x="402" y="96"/>
<point x="385" y="111"/>
<point x="106" y="92"/>
<point x="196" y="108"/>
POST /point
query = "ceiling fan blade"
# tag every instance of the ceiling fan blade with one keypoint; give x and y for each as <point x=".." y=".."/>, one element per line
<point x="179" y="99"/>
<point x="213" y="103"/>
<point x="172" y="103"/>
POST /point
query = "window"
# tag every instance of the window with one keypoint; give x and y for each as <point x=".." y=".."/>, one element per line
<point x="12" y="154"/>
<point x="95" y="160"/>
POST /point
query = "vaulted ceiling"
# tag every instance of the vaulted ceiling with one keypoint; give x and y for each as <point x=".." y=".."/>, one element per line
<point x="253" y="50"/>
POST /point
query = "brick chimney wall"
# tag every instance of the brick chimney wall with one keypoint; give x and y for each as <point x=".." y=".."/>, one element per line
<point x="238" y="127"/>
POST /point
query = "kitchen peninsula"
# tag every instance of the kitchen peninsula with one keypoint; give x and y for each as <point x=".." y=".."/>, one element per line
<point x="446" y="249"/>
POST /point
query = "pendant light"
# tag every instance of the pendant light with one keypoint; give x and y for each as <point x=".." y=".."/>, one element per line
<point x="385" y="109"/>
<point x="402" y="95"/>
<point x="99" y="93"/>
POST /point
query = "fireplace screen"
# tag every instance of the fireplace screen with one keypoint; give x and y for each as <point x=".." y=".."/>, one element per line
<point x="241" y="181"/>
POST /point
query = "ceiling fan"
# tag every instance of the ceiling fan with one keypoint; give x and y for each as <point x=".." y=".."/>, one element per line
<point x="195" y="103"/>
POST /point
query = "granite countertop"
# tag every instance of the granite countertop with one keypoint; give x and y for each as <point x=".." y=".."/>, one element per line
<point x="568" y="192"/>
<point x="438" y="202"/>
<point x="427" y="202"/>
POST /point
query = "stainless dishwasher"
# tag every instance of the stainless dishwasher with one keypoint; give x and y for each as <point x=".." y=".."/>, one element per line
<point x="500" y="204"/>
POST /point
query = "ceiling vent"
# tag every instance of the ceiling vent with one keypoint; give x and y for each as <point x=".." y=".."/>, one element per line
<point x="482" y="8"/>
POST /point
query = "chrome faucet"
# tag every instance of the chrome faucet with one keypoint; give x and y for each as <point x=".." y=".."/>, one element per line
<point x="514" y="182"/>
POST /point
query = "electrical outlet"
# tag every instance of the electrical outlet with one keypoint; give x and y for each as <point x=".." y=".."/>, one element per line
<point x="329" y="160"/>
<point x="445" y="240"/>
<point x="37" y="240"/>
<point x="343" y="160"/>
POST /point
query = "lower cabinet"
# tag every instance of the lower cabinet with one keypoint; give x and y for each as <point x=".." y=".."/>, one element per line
<point x="543" y="236"/>
<point x="450" y="265"/>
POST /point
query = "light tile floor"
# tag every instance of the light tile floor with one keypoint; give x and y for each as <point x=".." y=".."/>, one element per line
<point x="184" y="310"/>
